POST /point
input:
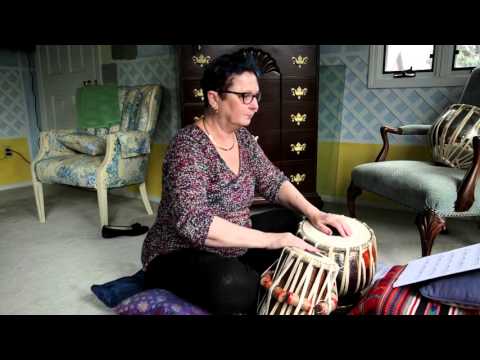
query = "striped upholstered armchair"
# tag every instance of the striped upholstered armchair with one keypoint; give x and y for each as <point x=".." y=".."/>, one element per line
<point x="101" y="158"/>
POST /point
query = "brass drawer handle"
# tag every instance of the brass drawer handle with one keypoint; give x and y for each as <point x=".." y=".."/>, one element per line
<point x="298" y="178"/>
<point x="299" y="92"/>
<point x="300" y="60"/>
<point x="298" y="118"/>
<point x="298" y="148"/>
<point x="198" y="93"/>
<point x="201" y="60"/>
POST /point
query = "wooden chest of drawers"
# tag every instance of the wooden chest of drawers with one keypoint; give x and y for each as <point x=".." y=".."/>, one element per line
<point x="286" y="123"/>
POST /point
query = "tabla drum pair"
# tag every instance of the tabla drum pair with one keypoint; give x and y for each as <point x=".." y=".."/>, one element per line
<point x="356" y="255"/>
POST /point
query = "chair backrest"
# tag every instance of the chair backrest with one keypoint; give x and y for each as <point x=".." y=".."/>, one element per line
<point x="471" y="91"/>
<point x="139" y="107"/>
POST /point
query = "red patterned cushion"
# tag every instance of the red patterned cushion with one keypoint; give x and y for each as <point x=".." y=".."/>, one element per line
<point x="383" y="299"/>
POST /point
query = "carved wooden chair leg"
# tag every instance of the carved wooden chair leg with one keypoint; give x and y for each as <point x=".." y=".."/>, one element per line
<point x="429" y="225"/>
<point x="445" y="230"/>
<point x="352" y="193"/>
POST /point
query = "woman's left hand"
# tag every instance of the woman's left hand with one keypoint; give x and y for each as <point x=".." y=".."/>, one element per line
<point x="320" y="220"/>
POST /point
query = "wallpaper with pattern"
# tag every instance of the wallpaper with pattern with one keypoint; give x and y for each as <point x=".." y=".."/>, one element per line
<point x="331" y="89"/>
<point x="17" y="100"/>
<point x="13" y="106"/>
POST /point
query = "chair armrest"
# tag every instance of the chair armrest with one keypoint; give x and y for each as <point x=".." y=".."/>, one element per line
<point x="466" y="192"/>
<point x="133" y="143"/>
<point x="117" y="170"/>
<point x="402" y="130"/>
<point x="125" y="144"/>
<point x="50" y="146"/>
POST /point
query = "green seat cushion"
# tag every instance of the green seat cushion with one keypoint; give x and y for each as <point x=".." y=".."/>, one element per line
<point x="419" y="185"/>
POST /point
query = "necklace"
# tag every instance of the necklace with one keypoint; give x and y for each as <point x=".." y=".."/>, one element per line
<point x="211" y="138"/>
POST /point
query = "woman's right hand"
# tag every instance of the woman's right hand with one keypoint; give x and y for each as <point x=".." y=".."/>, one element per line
<point x="281" y="240"/>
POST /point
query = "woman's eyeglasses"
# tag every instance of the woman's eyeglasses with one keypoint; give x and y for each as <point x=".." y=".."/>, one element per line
<point x="246" y="97"/>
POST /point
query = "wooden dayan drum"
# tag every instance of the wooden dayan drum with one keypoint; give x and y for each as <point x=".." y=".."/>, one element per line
<point x="356" y="255"/>
<point x="302" y="284"/>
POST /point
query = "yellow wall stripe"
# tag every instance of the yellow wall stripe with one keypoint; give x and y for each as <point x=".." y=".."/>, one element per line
<point x="13" y="169"/>
<point x="336" y="161"/>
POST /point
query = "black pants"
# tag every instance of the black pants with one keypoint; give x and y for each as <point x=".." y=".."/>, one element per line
<point x="219" y="284"/>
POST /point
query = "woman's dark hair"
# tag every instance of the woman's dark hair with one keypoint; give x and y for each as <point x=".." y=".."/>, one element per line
<point x="217" y="75"/>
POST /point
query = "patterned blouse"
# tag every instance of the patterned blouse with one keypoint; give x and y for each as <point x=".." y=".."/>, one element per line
<point x="198" y="185"/>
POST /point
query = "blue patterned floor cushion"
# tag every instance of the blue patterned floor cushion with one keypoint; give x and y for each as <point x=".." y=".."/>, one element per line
<point x="157" y="302"/>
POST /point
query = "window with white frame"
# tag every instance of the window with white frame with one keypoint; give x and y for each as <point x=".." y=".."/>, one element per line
<point x="398" y="66"/>
<point x="466" y="57"/>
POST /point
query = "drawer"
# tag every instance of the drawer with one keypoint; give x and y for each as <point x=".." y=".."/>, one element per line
<point x="296" y="60"/>
<point x="299" y="116"/>
<point x="298" y="90"/>
<point x="270" y="89"/>
<point x="192" y="92"/>
<point x="300" y="173"/>
<point x="190" y="112"/>
<point x="194" y="58"/>
<point x="299" y="145"/>
<point x="270" y="142"/>
<point x="267" y="118"/>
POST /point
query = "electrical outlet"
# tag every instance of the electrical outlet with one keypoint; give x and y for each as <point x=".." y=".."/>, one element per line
<point x="8" y="151"/>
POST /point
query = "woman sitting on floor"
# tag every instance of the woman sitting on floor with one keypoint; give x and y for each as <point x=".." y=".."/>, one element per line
<point x="202" y="246"/>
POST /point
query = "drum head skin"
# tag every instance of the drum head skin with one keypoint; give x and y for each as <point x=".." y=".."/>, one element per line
<point x="361" y="234"/>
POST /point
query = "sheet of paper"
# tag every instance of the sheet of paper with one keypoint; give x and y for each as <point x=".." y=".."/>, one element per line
<point x="438" y="265"/>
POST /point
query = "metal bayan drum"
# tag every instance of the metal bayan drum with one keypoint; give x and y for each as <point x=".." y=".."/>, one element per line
<point x="302" y="284"/>
<point x="450" y="136"/>
<point x="356" y="255"/>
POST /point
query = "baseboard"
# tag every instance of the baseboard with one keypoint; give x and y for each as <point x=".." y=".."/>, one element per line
<point x="16" y="185"/>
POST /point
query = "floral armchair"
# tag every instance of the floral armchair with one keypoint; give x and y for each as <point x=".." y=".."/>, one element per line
<point x="122" y="161"/>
